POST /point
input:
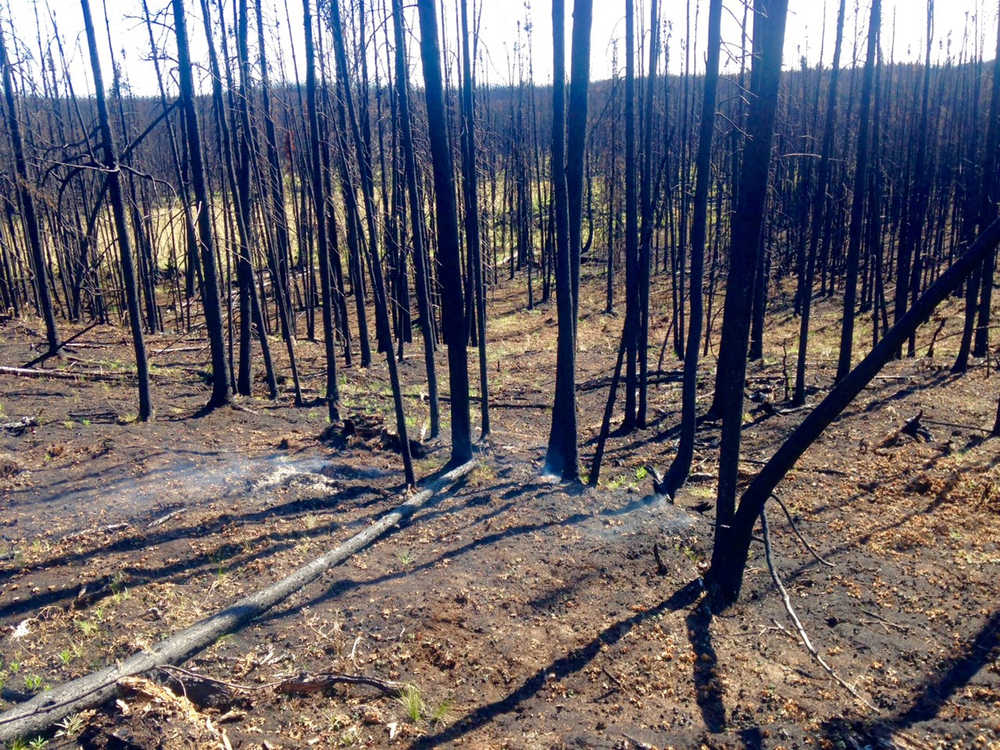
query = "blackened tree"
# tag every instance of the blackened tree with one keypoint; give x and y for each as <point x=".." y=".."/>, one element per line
<point x="453" y="309"/>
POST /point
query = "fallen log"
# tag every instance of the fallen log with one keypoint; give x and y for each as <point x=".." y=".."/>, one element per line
<point x="26" y="372"/>
<point x="45" y="709"/>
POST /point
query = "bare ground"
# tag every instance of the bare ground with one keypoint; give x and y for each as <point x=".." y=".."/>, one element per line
<point x="523" y="613"/>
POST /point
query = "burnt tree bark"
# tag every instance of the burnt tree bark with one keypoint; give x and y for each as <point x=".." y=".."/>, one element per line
<point x="29" y="217"/>
<point x="211" y="303"/>
<point x="110" y="163"/>
<point x="680" y="467"/>
<point x="858" y="199"/>
<point x="424" y="307"/>
<point x="332" y="395"/>
<point x="768" y="39"/>
<point x="453" y="311"/>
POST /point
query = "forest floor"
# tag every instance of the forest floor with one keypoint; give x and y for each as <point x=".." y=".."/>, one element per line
<point x="523" y="612"/>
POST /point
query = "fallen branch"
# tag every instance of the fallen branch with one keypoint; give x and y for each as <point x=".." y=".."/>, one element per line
<point x="798" y="533"/>
<point x="24" y="372"/>
<point x="47" y="708"/>
<point x="164" y="518"/>
<point x="956" y="425"/>
<point x="178" y="350"/>
<point x="108" y="529"/>
<point x="307" y="683"/>
<point x="897" y="626"/>
<point x="803" y="636"/>
<point x="174" y="671"/>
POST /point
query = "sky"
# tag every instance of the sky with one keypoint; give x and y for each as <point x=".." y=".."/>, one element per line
<point x="958" y="25"/>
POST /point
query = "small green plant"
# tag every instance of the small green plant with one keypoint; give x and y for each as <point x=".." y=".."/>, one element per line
<point x="349" y="737"/>
<point x="405" y="557"/>
<point x="412" y="703"/>
<point x="15" y="667"/>
<point x="33" y="681"/>
<point x="87" y="627"/>
<point x="65" y="656"/>
<point x="71" y="726"/>
<point x="38" y="743"/>
<point x="220" y="568"/>
<point x="441" y="711"/>
<point x="641" y="473"/>
<point x="617" y="483"/>
<point x="85" y="422"/>
<point x="118" y="590"/>
<point x="339" y="721"/>
<point x="691" y="554"/>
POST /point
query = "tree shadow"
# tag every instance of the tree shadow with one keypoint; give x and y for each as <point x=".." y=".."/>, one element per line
<point x="343" y="586"/>
<point x="566" y="665"/>
<point x="708" y="686"/>
<point x="350" y="498"/>
<point x="900" y="394"/>
<point x="265" y="545"/>
<point x="953" y="674"/>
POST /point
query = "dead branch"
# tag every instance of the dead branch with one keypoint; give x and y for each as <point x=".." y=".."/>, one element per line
<point x="803" y="636"/>
<point x="174" y="670"/>
<point x="900" y="628"/>
<point x="24" y="372"/>
<point x="316" y="682"/>
<point x="164" y="518"/>
<point x="798" y="533"/>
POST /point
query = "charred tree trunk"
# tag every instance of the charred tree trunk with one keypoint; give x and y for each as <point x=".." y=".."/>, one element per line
<point x="632" y="301"/>
<point x="28" y="215"/>
<point x="768" y="39"/>
<point x="424" y="307"/>
<point x="332" y="395"/>
<point x="561" y="457"/>
<point x="383" y="327"/>
<point x="725" y="577"/>
<point x="819" y="207"/>
<point x="473" y="242"/>
<point x="858" y="199"/>
<point x="447" y="235"/>
<point x="221" y="393"/>
<point x="110" y="163"/>
<point x="680" y="467"/>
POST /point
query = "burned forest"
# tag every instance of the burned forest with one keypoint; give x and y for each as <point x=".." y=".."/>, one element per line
<point x="559" y="373"/>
